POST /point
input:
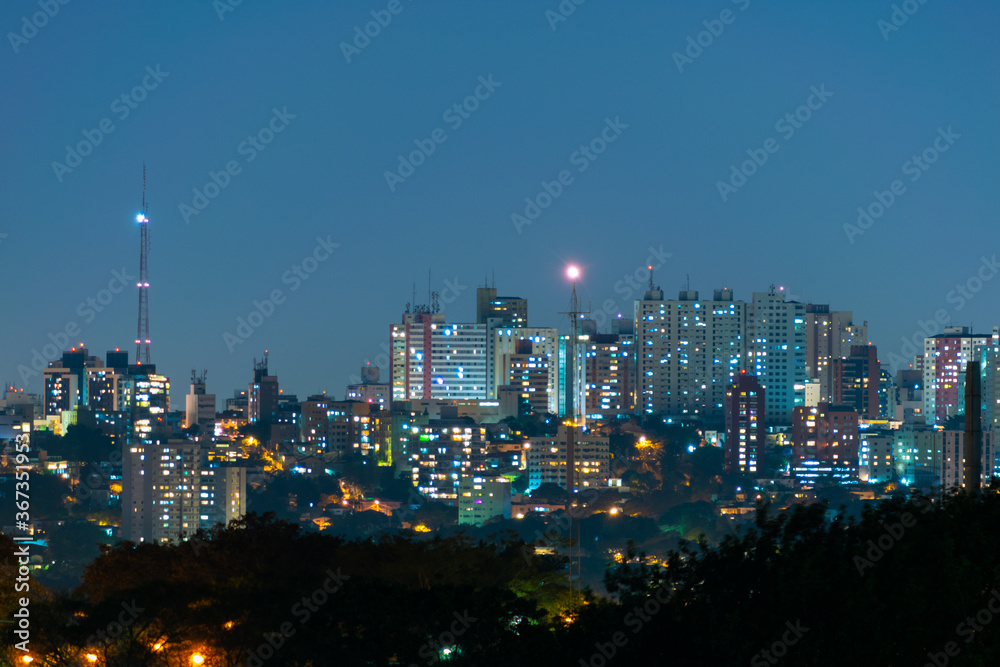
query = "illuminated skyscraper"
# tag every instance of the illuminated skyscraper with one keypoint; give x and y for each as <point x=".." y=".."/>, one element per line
<point x="66" y="380"/>
<point x="945" y="357"/>
<point x="262" y="394"/>
<point x="542" y="345"/>
<point x="688" y="351"/>
<point x="433" y="359"/>
<point x="856" y="380"/>
<point x="610" y="375"/>
<point x="746" y="425"/>
<point x="200" y="408"/>
<point x="510" y="311"/>
<point x="825" y="444"/>
<point x="777" y="349"/>
<point x="547" y="460"/>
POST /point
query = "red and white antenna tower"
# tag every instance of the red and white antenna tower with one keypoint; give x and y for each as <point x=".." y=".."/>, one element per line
<point x="142" y="337"/>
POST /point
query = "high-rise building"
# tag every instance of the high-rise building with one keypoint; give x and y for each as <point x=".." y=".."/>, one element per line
<point x="917" y="453"/>
<point x="953" y="459"/>
<point x="546" y="460"/>
<point x="66" y="381"/>
<point x="107" y="385"/>
<point x="315" y="423"/>
<point x="529" y="374"/>
<point x="287" y="421"/>
<point x="746" y="426"/>
<point x="200" y="408"/>
<point x="856" y="380"/>
<point x="511" y="350"/>
<point x="990" y="382"/>
<point x="370" y="389"/>
<point x="511" y="311"/>
<point x="349" y="428"/>
<point x="483" y="499"/>
<point x="21" y="404"/>
<point x="160" y="491"/>
<point x="442" y="452"/>
<point x="829" y="336"/>
<point x="875" y="459"/>
<point x="688" y="351"/>
<point x="578" y="389"/>
<point x="154" y="482"/>
<point x="609" y="375"/>
<point x="777" y="349"/>
<point x="909" y="390"/>
<point x="825" y="444"/>
<point x="147" y="401"/>
<point x="433" y="359"/>
<point x="62" y="390"/>
<point x="262" y="395"/>
<point x="886" y="393"/>
<point x="222" y="495"/>
<point x="497" y="313"/>
<point x="945" y="356"/>
<point x="238" y="404"/>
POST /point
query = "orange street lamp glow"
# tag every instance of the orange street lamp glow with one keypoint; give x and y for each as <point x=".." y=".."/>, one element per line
<point x="198" y="659"/>
<point x="91" y="657"/>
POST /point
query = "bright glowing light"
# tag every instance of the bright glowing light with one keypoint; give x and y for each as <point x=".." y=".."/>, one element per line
<point x="572" y="272"/>
<point x="613" y="510"/>
<point x="197" y="659"/>
<point x="91" y="657"/>
<point x="26" y="659"/>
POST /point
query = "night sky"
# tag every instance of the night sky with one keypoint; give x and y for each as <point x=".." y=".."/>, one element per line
<point x="211" y="79"/>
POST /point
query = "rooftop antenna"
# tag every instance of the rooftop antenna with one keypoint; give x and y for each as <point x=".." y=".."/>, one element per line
<point x="142" y="335"/>
<point x="573" y="408"/>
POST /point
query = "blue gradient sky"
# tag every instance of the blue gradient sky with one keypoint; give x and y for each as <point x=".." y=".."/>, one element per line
<point x="324" y="174"/>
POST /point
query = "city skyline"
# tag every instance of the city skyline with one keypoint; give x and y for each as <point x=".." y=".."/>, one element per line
<point x="297" y="143"/>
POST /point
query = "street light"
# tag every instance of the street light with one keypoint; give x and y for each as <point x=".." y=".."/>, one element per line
<point x="197" y="659"/>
